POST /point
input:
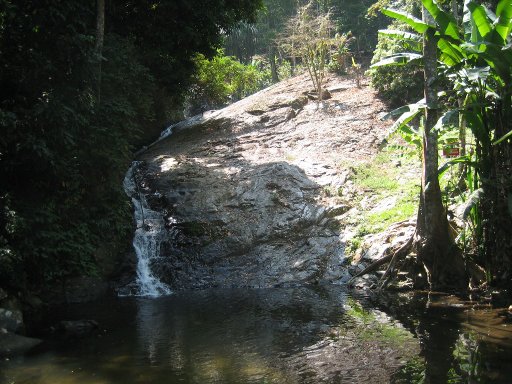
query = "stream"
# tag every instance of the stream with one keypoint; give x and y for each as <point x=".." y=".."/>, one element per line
<point x="319" y="334"/>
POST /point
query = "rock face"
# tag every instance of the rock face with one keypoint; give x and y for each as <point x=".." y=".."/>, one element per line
<point x="11" y="323"/>
<point x="242" y="191"/>
<point x="11" y="344"/>
<point x="11" y="320"/>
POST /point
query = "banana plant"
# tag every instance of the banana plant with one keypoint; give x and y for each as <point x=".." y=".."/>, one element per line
<point x="476" y="63"/>
<point x="480" y="54"/>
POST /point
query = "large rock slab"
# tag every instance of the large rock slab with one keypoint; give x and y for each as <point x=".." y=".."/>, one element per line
<point x="11" y="344"/>
<point x="242" y="190"/>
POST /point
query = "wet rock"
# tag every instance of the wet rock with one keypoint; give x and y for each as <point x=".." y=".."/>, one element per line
<point x="11" y="320"/>
<point x="299" y="103"/>
<point x="34" y="302"/>
<point x="337" y="210"/>
<point x="379" y="245"/>
<point x="313" y="95"/>
<point x="12" y="345"/>
<point x="365" y="282"/>
<point x="3" y="294"/>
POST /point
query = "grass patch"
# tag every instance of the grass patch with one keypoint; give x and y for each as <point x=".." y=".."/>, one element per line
<point x="383" y="175"/>
<point x="386" y="177"/>
<point x="405" y="207"/>
<point x="376" y="178"/>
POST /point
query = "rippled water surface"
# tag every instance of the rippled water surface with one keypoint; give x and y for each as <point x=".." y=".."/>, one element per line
<point x="299" y="335"/>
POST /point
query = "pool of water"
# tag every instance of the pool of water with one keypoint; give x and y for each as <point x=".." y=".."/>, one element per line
<point x="289" y="335"/>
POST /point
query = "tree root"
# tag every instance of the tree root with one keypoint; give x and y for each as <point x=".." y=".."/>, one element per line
<point x="476" y="274"/>
<point x="391" y="258"/>
<point x="399" y="254"/>
<point x="372" y="267"/>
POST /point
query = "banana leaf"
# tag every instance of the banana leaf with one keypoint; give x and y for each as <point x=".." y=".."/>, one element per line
<point x="407" y="113"/>
<point x="503" y="138"/>
<point x="503" y="24"/>
<point x="415" y="23"/>
<point x="480" y="19"/>
<point x="401" y="35"/>
<point x="445" y="21"/>
<point x="459" y="160"/>
<point x="451" y="54"/>
<point x="472" y="201"/>
<point x="446" y="118"/>
<point x="398" y="59"/>
<point x="410" y="108"/>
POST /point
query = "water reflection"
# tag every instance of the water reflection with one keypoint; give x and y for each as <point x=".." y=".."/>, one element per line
<point x="300" y="335"/>
<point x="460" y="341"/>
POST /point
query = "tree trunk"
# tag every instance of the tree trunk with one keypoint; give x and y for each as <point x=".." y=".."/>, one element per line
<point x="455" y="10"/>
<point x="100" y="36"/>
<point x="273" y="66"/>
<point x="462" y="142"/>
<point x="436" y="251"/>
<point x="461" y="121"/>
<point x="497" y="206"/>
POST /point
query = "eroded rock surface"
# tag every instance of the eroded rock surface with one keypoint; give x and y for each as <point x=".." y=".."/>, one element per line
<point x="243" y="189"/>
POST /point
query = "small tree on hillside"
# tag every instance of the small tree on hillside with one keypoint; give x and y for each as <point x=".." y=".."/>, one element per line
<point x="310" y="35"/>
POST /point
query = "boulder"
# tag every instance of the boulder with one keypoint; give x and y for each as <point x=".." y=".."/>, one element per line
<point x="11" y="320"/>
<point x="11" y="344"/>
<point x="3" y="294"/>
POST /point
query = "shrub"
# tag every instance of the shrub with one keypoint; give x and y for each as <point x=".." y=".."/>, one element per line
<point x="224" y="79"/>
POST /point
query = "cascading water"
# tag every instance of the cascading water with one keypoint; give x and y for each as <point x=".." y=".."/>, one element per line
<point x="149" y="234"/>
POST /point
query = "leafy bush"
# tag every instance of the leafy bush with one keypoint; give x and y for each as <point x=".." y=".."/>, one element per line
<point x="224" y="79"/>
<point x="397" y="85"/>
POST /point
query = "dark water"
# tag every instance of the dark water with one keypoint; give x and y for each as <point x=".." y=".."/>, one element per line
<point x="298" y="335"/>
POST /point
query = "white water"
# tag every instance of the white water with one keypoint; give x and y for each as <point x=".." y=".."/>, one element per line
<point x="146" y="240"/>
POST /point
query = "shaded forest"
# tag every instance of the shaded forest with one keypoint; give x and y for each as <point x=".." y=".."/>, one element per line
<point x="82" y="85"/>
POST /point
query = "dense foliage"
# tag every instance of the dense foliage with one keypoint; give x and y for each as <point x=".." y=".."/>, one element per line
<point x="475" y="70"/>
<point x="68" y="133"/>
<point x="348" y="16"/>
<point x="223" y="79"/>
<point x="404" y="84"/>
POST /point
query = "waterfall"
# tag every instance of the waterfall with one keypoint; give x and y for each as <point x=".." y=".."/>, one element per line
<point x="149" y="234"/>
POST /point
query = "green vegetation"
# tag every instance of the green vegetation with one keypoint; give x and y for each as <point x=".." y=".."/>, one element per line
<point x="224" y="79"/>
<point x="310" y="36"/>
<point x="398" y="85"/>
<point x="413" y="372"/>
<point x="386" y="183"/>
<point x="475" y="69"/>
<point x="348" y="16"/>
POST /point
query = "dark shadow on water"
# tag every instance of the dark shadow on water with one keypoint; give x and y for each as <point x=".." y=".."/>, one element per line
<point x="212" y="336"/>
